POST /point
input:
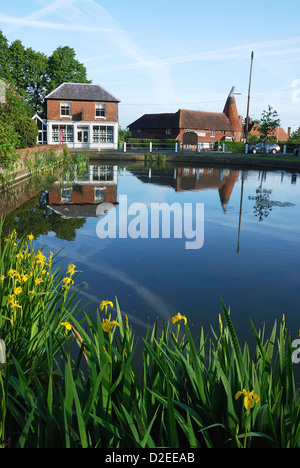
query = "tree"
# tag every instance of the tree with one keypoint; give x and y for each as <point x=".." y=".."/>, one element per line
<point x="268" y="124"/>
<point x="4" y="59"/>
<point x="63" y="67"/>
<point x="14" y="107"/>
<point x="17" y="65"/>
<point x="295" y="136"/>
<point x="37" y="79"/>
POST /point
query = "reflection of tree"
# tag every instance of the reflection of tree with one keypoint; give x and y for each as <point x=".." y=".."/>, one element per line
<point x="36" y="218"/>
<point x="263" y="205"/>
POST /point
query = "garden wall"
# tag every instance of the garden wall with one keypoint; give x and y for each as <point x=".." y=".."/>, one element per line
<point x="38" y="159"/>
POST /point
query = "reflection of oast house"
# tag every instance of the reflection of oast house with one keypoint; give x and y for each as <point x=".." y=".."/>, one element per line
<point x="80" y="198"/>
<point x="223" y="181"/>
<point x="195" y="179"/>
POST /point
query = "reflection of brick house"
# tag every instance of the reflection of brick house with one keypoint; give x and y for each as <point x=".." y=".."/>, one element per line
<point x="209" y="126"/>
<point x="82" y="116"/>
<point x="80" y="198"/>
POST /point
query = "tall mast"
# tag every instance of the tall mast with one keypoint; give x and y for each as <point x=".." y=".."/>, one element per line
<point x="248" y="105"/>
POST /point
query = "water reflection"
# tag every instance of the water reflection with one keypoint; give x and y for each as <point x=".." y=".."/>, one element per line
<point x="198" y="179"/>
<point x="80" y="196"/>
<point x="155" y="278"/>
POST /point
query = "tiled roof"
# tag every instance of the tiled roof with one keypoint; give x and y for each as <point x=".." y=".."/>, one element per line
<point x="82" y="92"/>
<point x="204" y="120"/>
<point x="184" y="119"/>
<point x="279" y="133"/>
<point x="156" y="121"/>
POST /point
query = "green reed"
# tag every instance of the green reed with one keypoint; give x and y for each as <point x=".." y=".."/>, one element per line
<point x="72" y="383"/>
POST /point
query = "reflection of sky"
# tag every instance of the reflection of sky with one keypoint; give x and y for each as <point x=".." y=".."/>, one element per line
<point x="155" y="278"/>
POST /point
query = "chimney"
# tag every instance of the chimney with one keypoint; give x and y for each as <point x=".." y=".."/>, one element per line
<point x="289" y="132"/>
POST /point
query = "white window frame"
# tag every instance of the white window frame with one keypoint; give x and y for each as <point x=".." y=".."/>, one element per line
<point x="212" y="134"/>
<point x="103" y="134"/>
<point x="67" y="107"/>
<point x="101" y="109"/>
<point x="99" y="194"/>
<point x="168" y="131"/>
<point x="66" y="195"/>
<point x="68" y="133"/>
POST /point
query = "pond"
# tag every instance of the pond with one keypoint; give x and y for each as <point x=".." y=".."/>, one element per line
<point x="249" y="257"/>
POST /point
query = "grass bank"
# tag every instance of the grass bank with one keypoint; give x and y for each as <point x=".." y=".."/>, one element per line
<point x="192" y="391"/>
<point x="278" y="161"/>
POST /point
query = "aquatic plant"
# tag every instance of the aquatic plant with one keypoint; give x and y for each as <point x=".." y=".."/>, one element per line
<point x="70" y="382"/>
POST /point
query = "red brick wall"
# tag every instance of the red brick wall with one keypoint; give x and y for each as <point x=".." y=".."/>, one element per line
<point x="207" y="138"/>
<point x="53" y="111"/>
<point x="177" y="134"/>
<point x="83" y="194"/>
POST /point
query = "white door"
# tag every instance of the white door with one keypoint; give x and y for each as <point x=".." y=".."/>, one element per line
<point x="83" y="136"/>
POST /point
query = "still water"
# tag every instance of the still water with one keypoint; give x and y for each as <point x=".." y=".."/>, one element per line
<point x="250" y="256"/>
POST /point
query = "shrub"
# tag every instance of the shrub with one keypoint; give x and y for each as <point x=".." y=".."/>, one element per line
<point x="27" y="131"/>
<point x="8" y="141"/>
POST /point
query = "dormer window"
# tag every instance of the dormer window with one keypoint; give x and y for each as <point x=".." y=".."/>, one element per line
<point x="65" y="109"/>
<point x="100" y="110"/>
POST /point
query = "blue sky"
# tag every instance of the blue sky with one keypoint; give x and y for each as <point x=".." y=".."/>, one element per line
<point x="160" y="56"/>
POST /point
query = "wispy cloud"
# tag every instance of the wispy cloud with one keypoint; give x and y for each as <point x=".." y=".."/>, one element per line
<point x="90" y="17"/>
<point x="29" y="22"/>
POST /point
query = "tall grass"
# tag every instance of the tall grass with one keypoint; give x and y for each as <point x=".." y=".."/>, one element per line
<point x="72" y="383"/>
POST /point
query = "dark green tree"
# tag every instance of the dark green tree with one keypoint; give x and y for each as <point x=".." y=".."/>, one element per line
<point x="18" y="65"/>
<point x="37" y="79"/>
<point x="5" y="72"/>
<point x="63" y="67"/>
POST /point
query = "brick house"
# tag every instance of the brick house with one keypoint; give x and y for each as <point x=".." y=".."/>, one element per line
<point x="82" y="116"/>
<point x="280" y="134"/>
<point x="209" y="126"/>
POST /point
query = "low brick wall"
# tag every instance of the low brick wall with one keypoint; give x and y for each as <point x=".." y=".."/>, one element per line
<point x="29" y="154"/>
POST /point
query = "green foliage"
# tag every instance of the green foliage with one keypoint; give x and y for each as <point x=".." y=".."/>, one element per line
<point x="268" y="124"/>
<point x="124" y="134"/>
<point x="230" y="146"/>
<point x="63" y="67"/>
<point x="295" y="136"/>
<point x="34" y="75"/>
<point x="9" y="139"/>
<point x="189" y="392"/>
<point x="27" y="131"/>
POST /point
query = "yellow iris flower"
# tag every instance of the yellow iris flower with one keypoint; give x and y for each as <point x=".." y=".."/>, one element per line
<point x="67" y="325"/>
<point x="108" y="326"/>
<point x="71" y="269"/>
<point x="105" y="303"/>
<point x="178" y="317"/>
<point x="250" y="398"/>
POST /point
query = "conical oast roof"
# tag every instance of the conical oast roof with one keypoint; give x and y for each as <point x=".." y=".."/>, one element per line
<point x="230" y="110"/>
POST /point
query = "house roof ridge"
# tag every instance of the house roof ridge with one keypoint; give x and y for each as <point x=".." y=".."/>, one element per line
<point x="90" y="95"/>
